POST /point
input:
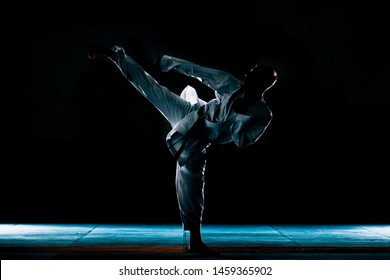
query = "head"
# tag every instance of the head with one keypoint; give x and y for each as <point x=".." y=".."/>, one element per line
<point x="259" y="78"/>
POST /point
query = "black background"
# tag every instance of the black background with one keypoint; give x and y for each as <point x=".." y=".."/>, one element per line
<point x="80" y="145"/>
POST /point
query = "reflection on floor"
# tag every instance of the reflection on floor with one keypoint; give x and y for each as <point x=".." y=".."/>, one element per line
<point x="92" y="241"/>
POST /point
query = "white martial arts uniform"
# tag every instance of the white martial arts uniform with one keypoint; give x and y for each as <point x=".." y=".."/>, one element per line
<point x="197" y="124"/>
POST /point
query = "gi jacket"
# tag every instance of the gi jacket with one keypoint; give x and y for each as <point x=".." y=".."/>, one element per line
<point x="214" y="121"/>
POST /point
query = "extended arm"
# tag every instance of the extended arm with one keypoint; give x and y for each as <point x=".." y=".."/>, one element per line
<point x="218" y="80"/>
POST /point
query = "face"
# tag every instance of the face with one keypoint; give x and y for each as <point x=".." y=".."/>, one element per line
<point x="260" y="78"/>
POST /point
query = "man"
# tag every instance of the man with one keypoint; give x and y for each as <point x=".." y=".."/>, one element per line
<point x="237" y="114"/>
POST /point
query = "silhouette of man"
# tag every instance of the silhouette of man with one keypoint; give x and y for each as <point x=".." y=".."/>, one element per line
<point x="237" y="114"/>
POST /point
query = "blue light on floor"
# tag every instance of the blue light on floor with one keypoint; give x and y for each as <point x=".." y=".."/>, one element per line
<point x="251" y="241"/>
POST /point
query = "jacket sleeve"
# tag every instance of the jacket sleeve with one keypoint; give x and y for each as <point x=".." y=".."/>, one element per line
<point x="250" y="127"/>
<point x="218" y="80"/>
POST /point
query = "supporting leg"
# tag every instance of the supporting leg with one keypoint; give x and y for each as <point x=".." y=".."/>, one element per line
<point x="190" y="194"/>
<point x="197" y="245"/>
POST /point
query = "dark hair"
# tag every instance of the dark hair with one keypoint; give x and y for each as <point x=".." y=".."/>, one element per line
<point x="259" y="78"/>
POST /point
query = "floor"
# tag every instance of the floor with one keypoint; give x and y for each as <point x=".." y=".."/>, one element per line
<point x="243" y="242"/>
